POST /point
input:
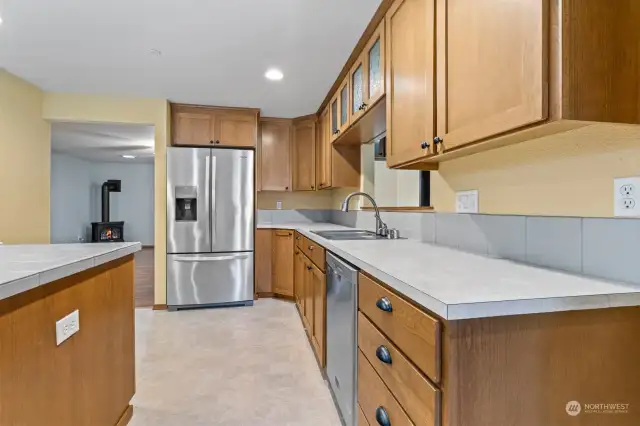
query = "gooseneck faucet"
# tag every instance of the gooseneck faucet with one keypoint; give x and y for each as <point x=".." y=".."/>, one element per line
<point x="381" y="227"/>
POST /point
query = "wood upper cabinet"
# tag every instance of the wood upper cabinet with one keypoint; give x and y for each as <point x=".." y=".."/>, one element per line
<point x="304" y="155"/>
<point x="212" y="126"/>
<point x="343" y="108"/>
<point x="238" y="129"/>
<point x="357" y="80"/>
<point x="492" y="67"/>
<point x="334" y="115"/>
<point x="193" y="126"/>
<point x="319" y="286"/>
<point x="410" y="74"/>
<point x="374" y="59"/>
<point x="323" y="150"/>
<point x="282" y="281"/>
<point x="263" y="260"/>
<point x="275" y="155"/>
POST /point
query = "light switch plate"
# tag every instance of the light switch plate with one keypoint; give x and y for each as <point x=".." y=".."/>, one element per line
<point x="626" y="197"/>
<point x="67" y="327"/>
<point x="279" y="205"/>
<point x="467" y="201"/>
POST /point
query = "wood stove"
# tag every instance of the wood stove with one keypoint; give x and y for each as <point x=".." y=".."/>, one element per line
<point x="106" y="231"/>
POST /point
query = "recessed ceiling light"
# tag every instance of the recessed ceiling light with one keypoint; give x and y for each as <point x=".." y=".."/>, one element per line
<point x="274" y="74"/>
<point x="128" y="156"/>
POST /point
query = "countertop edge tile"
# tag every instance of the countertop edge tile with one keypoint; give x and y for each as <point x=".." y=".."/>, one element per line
<point x="76" y="258"/>
<point x="524" y="284"/>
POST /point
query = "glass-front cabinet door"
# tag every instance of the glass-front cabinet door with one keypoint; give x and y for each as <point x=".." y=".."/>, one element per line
<point x="343" y="100"/>
<point x="357" y="80"/>
<point x="375" y="62"/>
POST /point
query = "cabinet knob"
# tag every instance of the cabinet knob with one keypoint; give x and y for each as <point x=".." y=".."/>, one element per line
<point x="310" y="247"/>
<point x="210" y="141"/>
<point x="437" y="140"/>
<point x="363" y="106"/>
<point x="286" y="188"/>
<point x="382" y="417"/>
<point x="383" y="354"/>
<point x="217" y="141"/>
<point x="384" y="304"/>
<point x="297" y="238"/>
<point x="312" y="187"/>
<point x="424" y="145"/>
<point x="309" y="268"/>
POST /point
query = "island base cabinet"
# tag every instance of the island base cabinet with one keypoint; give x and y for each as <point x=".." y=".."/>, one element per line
<point x="89" y="379"/>
<point x="528" y="370"/>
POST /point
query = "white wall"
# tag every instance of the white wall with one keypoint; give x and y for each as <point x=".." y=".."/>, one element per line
<point x="70" y="205"/>
<point x="76" y="198"/>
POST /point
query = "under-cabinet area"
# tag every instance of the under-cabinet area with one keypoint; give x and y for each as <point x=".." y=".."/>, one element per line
<point x="413" y="356"/>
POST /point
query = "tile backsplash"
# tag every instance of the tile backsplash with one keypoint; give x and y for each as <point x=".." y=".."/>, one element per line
<point x="601" y="248"/>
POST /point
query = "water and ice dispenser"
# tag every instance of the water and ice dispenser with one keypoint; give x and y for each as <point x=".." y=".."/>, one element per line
<point x="186" y="203"/>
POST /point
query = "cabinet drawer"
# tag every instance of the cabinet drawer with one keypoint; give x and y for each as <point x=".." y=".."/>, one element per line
<point x="373" y="396"/>
<point x="419" y="398"/>
<point x="314" y="252"/>
<point x="414" y="332"/>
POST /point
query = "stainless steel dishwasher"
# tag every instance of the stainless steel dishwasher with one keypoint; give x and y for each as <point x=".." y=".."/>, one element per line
<point x="342" y="336"/>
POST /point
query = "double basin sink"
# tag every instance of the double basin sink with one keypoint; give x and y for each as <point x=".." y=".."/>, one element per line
<point x="349" y="234"/>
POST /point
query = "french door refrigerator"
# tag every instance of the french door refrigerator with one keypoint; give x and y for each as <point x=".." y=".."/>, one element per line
<point x="210" y="227"/>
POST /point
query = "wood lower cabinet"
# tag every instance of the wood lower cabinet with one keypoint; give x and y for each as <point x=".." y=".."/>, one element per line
<point x="213" y="126"/>
<point x="304" y="155"/>
<point x="319" y="289"/>
<point x="282" y="280"/>
<point x="274" y="153"/>
<point x="263" y="262"/>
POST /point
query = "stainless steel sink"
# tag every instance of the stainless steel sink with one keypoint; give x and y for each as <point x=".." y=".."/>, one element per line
<point x="349" y="234"/>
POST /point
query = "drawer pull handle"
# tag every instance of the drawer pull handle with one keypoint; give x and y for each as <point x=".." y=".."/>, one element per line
<point x="384" y="304"/>
<point x="382" y="417"/>
<point x="310" y="247"/>
<point x="383" y="354"/>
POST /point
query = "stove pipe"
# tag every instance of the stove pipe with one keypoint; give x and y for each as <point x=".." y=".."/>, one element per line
<point x="111" y="185"/>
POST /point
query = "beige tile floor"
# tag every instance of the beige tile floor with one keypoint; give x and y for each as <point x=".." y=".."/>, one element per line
<point x="228" y="367"/>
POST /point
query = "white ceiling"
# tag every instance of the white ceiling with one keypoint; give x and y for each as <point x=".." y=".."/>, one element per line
<point x="214" y="52"/>
<point x="103" y="142"/>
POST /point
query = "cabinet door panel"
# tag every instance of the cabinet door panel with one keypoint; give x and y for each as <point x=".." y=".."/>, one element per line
<point x="375" y="61"/>
<point x="410" y="26"/>
<point x="304" y="156"/>
<point x="334" y="112"/>
<point x="237" y="130"/>
<point x="275" y="151"/>
<point x="344" y="105"/>
<point x="298" y="279"/>
<point x="193" y="128"/>
<point x="319" y="286"/>
<point x="263" y="268"/>
<point x="283" y="262"/>
<point x="308" y="296"/>
<point x="492" y="69"/>
<point x="357" y="81"/>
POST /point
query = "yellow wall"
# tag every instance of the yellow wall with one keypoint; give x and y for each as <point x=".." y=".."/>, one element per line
<point x="25" y="163"/>
<point x="295" y="200"/>
<point x="570" y="174"/>
<point x="93" y="108"/>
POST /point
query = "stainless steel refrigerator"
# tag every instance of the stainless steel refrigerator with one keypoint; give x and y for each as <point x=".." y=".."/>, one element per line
<point x="210" y="227"/>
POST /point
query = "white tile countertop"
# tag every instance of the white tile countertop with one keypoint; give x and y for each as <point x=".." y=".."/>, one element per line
<point x="457" y="285"/>
<point x="23" y="267"/>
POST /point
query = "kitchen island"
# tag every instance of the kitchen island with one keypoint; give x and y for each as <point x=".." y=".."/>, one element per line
<point x="89" y="378"/>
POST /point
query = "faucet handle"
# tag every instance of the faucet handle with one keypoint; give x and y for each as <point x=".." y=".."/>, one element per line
<point x="394" y="234"/>
<point x="384" y="230"/>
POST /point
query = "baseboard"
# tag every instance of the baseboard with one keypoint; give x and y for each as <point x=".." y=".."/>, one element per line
<point x="159" y="307"/>
<point x="126" y="416"/>
<point x="271" y="295"/>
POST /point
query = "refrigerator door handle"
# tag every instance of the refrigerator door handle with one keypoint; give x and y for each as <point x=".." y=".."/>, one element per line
<point x="212" y="209"/>
<point x="207" y="191"/>
<point x="212" y="259"/>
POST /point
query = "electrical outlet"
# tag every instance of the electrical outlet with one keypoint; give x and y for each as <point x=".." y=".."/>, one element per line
<point x="625" y="197"/>
<point x="67" y="327"/>
<point x="467" y="201"/>
<point x="279" y="205"/>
